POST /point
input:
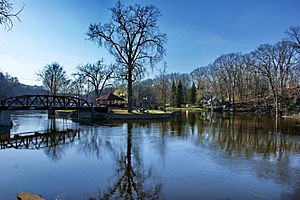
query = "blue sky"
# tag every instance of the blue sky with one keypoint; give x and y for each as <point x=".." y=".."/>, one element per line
<point x="198" y="31"/>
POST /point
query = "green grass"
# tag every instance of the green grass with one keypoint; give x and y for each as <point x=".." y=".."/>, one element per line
<point x="121" y="111"/>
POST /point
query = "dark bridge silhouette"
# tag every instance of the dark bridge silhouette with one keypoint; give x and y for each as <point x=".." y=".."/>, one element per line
<point x="38" y="140"/>
<point x="44" y="102"/>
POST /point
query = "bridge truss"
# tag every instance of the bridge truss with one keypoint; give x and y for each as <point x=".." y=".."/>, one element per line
<point x="44" y="102"/>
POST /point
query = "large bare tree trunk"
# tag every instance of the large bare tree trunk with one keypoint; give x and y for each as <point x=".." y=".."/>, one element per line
<point x="129" y="88"/>
<point x="132" y="36"/>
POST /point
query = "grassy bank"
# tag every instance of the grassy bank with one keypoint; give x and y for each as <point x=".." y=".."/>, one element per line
<point x="134" y="112"/>
<point x="120" y="114"/>
<point x="192" y="109"/>
<point x="294" y="116"/>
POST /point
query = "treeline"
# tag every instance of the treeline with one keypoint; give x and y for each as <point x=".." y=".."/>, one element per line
<point x="265" y="79"/>
<point x="10" y="86"/>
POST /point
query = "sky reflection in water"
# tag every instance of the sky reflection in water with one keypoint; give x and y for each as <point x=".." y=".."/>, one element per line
<point x="216" y="156"/>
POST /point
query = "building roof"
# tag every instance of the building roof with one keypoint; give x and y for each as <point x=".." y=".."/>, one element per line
<point x="110" y="97"/>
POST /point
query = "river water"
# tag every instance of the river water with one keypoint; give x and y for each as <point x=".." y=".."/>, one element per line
<point x="193" y="156"/>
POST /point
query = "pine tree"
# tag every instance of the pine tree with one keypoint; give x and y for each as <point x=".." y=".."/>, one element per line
<point x="199" y="96"/>
<point x="173" y="94"/>
<point x="192" y="94"/>
<point x="179" y="94"/>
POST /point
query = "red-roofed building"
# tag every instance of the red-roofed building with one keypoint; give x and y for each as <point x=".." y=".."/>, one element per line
<point x="110" y="100"/>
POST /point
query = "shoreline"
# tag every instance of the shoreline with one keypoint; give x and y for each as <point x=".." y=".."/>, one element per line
<point x="140" y="116"/>
<point x="144" y="116"/>
<point x="293" y="116"/>
<point x="116" y="116"/>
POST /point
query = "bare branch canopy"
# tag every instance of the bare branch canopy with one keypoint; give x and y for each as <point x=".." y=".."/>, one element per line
<point x="7" y="14"/>
<point x="132" y="36"/>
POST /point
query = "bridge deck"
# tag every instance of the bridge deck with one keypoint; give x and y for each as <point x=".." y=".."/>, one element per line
<point x="44" y="102"/>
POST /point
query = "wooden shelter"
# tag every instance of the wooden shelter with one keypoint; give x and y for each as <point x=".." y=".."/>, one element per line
<point x="110" y="100"/>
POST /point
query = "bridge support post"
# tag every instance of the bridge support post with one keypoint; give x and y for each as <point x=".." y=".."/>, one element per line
<point x="5" y="119"/>
<point x="4" y="132"/>
<point x="51" y="113"/>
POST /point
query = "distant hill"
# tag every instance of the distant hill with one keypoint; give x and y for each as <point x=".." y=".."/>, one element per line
<point x="10" y="86"/>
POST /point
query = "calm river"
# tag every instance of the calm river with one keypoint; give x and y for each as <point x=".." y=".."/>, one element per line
<point x="216" y="156"/>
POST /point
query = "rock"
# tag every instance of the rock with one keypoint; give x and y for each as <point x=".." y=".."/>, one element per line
<point x="28" y="196"/>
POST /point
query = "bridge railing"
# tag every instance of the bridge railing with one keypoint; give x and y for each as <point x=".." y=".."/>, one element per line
<point x="44" y="102"/>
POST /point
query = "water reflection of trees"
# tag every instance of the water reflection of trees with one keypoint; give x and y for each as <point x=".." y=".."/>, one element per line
<point x="251" y="140"/>
<point x="91" y="142"/>
<point x="245" y="141"/>
<point x="130" y="179"/>
<point x="58" y="142"/>
<point x="243" y="134"/>
<point x="248" y="135"/>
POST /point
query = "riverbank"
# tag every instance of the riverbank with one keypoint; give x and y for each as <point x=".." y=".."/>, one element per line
<point x="293" y="116"/>
<point x="118" y="115"/>
<point x="192" y="109"/>
<point x="123" y="115"/>
<point x="147" y="115"/>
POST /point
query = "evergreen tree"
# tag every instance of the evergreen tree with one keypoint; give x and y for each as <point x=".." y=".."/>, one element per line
<point x="192" y="94"/>
<point x="199" y="96"/>
<point x="179" y="94"/>
<point x="173" y="94"/>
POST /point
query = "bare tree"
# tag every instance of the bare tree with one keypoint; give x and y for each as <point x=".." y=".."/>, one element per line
<point x="252" y="79"/>
<point x="227" y="66"/>
<point x="54" y="78"/>
<point x="219" y="83"/>
<point x="294" y="36"/>
<point x="97" y="74"/>
<point x="144" y="94"/>
<point x="78" y="86"/>
<point x="6" y="14"/>
<point x="201" y="75"/>
<point x="133" y="38"/>
<point x="276" y="63"/>
<point x="207" y="79"/>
